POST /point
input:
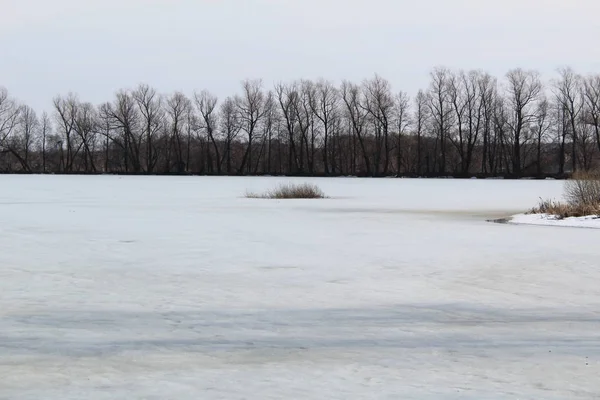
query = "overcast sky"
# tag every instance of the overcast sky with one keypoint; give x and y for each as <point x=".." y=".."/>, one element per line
<point x="94" y="47"/>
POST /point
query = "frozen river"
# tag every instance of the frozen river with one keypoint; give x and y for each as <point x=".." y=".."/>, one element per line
<point x="180" y="288"/>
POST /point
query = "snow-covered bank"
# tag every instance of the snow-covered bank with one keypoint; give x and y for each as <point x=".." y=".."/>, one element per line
<point x="591" y="221"/>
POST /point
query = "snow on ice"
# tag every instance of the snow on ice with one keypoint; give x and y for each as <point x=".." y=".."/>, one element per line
<point x="592" y="221"/>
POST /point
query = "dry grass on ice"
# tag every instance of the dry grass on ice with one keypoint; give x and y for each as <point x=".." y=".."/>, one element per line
<point x="582" y="195"/>
<point x="290" y="191"/>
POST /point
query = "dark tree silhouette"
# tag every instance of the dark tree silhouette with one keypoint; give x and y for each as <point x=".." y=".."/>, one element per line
<point x="465" y="123"/>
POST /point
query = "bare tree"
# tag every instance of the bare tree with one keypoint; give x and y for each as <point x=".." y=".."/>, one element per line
<point x="498" y="156"/>
<point x="402" y="123"/>
<point x="441" y="111"/>
<point x="251" y="108"/>
<point x="288" y="97"/>
<point x="66" y="109"/>
<point x="469" y="114"/>
<point x="271" y="120"/>
<point x="421" y="118"/>
<point x="591" y="87"/>
<point x="568" y="92"/>
<point x="150" y="105"/>
<point x="231" y="126"/>
<point x="561" y="132"/>
<point x="523" y="90"/>
<point x="458" y="99"/>
<point x="305" y="119"/>
<point x="126" y="121"/>
<point x="586" y="147"/>
<point x="378" y="104"/>
<point x="488" y="93"/>
<point x="46" y="130"/>
<point x="541" y="126"/>
<point x="178" y="109"/>
<point x="86" y="127"/>
<point x="325" y="105"/>
<point x="9" y="115"/>
<point x="25" y="136"/>
<point x="206" y="103"/>
<point x="105" y="129"/>
<point x="193" y="128"/>
<point x="357" y="118"/>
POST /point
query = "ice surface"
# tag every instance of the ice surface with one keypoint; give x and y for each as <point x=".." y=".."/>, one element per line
<point x="591" y="221"/>
<point x="180" y="288"/>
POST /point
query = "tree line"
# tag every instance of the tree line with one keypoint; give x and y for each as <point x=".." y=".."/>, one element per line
<point x="465" y="123"/>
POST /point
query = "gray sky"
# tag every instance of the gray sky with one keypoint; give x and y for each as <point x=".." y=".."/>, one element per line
<point x="94" y="47"/>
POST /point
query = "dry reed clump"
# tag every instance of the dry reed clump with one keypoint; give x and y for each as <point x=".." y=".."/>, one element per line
<point x="582" y="195"/>
<point x="565" y="210"/>
<point x="290" y="191"/>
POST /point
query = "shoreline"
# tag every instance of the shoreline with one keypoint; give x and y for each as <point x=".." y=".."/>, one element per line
<point x="589" y="222"/>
